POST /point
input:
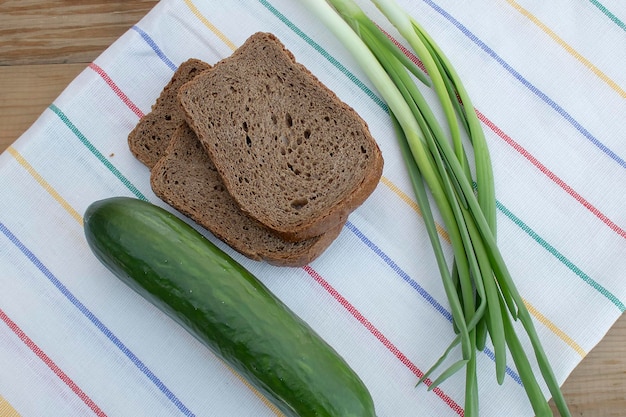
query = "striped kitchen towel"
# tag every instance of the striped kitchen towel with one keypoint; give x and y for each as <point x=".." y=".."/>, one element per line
<point x="548" y="83"/>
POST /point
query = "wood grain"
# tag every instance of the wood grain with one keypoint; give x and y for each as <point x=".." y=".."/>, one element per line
<point x="26" y="92"/>
<point x="597" y="387"/>
<point x="45" y="44"/>
<point x="63" y="31"/>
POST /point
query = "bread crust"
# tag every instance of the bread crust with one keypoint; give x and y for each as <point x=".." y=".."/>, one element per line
<point x="188" y="174"/>
<point x="151" y="136"/>
<point x="293" y="155"/>
<point x="186" y="179"/>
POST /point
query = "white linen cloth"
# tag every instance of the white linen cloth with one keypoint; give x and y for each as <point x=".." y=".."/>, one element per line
<point x="547" y="80"/>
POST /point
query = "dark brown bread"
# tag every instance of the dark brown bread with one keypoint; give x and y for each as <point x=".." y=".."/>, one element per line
<point x="150" y="138"/>
<point x="186" y="179"/>
<point x="292" y="155"/>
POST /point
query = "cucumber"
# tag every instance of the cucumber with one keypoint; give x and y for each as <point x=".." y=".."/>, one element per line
<point x="224" y="306"/>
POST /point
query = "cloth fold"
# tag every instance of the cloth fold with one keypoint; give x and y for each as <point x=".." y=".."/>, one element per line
<point x="547" y="82"/>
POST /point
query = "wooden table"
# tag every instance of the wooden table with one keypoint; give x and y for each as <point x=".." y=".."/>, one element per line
<point x="45" y="44"/>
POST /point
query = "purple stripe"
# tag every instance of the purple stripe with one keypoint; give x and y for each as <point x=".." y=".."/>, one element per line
<point x="421" y="291"/>
<point x="543" y="96"/>
<point x="401" y="273"/>
<point x="155" y="48"/>
<point x="92" y="318"/>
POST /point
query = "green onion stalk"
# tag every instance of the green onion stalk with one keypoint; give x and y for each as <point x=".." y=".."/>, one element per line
<point x="483" y="299"/>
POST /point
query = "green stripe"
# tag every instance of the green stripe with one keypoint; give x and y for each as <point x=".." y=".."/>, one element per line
<point x="326" y="55"/>
<point x="96" y="152"/>
<point x="569" y="264"/>
<point x="608" y="14"/>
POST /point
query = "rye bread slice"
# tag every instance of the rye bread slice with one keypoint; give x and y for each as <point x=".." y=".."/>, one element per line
<point x="186" y="179"/>
<point x="290" y="152"/>
<point x="150" y="138"/>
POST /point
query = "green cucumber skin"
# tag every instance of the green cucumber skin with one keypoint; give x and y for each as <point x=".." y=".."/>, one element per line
<point x="224" y="306"/>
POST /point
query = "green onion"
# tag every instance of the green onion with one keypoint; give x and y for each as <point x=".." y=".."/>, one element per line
<point x="483" y="298"/>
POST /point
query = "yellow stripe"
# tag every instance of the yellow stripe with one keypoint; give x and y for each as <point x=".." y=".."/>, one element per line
<point x="568" y="48"/>
<point x="6" y="409"/>
<point x="532" y="310"/>
<point x="404" y="197"/>
<point x="210" y="25"/>
<point x="560" y="333"/>
<point x="265" y="401"/>
<point x="46" y="186"/>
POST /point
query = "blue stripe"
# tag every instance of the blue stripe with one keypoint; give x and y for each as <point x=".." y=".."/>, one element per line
<point x="544" y="97"/>
<point x="401" y="273"/>
<point x="509" y="371"/>
<point x="421" y="291"/>
<point x="350" y="226"/>
<point x="155" y="48"/>
<point x="92" y="318"/>
<point x="509" y="214"/>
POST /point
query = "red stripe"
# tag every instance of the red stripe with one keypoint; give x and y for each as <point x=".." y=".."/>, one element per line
<point x="343" y="301"/>
<point x="551" y="175"/>
<point x="381" y="337"/>
<point x="50" y="363"/>
<point x="406" y="52"/>
<point x="547" y="172"/>
<point x="116" y="89"/>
